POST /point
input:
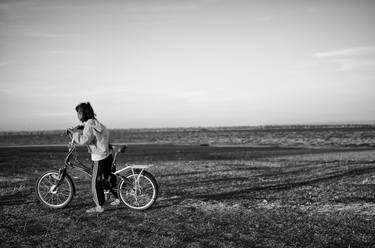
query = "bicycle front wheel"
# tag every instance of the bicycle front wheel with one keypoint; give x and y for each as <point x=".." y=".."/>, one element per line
<point x="139" y="190"/>
<point x="52" y="196"/>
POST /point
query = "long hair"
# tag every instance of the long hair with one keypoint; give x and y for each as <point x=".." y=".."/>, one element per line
<point x="86" y="110"/>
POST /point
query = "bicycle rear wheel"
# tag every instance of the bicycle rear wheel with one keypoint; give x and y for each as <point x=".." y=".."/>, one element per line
<point x="52" y="196"/>
<point x="139" y="190"/>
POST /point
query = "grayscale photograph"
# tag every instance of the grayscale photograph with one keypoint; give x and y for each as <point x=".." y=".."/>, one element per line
<point x="187" y="123"/>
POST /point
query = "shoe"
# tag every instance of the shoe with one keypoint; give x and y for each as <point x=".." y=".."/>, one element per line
<point x="97" y="209"/>
<point x="115" y="202"/>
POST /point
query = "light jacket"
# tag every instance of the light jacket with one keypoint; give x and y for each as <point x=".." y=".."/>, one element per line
<point x="96" y="136"/>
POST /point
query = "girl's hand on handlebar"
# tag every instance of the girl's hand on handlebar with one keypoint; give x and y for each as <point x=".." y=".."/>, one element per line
<point x="79" y="128"/>
<point x="70" y="132"/>
<point x="75" y="129"/>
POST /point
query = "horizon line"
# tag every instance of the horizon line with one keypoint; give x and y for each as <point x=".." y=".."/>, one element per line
<point x="337" y="123"/>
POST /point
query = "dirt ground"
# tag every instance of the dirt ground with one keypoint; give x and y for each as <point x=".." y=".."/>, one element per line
<point x="233" y="196"/>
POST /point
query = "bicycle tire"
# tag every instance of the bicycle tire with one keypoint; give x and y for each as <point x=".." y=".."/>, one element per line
<point x="51" y="197"/>
<point x="142" y="197"/>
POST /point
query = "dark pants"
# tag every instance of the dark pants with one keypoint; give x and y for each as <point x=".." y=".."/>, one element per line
<point x="102" y="178"/>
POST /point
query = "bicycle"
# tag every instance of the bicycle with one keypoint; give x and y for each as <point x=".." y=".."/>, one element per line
<point x="137" y="187"/>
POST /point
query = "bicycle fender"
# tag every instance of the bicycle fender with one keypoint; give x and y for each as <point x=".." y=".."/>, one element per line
<point x="140" y="166"/>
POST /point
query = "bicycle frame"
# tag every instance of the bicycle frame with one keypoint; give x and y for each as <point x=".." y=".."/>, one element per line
<point x="77" y="164"/>
<point x="136" y="187"/>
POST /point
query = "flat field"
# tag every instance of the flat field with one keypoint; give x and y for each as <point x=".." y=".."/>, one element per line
<point x="210" y="196"/>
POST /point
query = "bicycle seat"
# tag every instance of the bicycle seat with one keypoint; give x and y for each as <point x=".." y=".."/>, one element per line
<point x="118" y="148"/>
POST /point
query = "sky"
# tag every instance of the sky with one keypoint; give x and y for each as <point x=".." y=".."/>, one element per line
<point x="175" y="63"/>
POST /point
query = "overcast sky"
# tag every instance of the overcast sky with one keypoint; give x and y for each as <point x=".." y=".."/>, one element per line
<point x="160" y="63"/>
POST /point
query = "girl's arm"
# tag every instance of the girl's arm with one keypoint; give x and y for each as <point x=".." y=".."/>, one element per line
<point x="85" y="137"/>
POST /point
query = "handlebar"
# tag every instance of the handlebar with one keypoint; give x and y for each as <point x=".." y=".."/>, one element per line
<point x="69" y="132"/>
<point x="71" y="145"/>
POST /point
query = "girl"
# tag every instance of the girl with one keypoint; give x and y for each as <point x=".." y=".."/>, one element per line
<point x="96" y="136"/>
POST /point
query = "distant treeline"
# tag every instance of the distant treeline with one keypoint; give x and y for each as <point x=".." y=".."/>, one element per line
<point x="205" y="129"/>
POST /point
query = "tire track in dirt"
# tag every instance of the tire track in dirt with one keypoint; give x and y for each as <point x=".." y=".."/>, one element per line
<point x="284" y="186"/>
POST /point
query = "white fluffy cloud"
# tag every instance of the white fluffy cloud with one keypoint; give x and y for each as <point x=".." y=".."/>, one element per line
<point x="351" y="59"/>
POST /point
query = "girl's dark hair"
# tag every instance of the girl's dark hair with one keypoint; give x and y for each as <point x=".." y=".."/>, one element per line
<point x="86" y="110"/>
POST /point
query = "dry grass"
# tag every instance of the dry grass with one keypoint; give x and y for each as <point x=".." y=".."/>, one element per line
<point x="310" y="198"/>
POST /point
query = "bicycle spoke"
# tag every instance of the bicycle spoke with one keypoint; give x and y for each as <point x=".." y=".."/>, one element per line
<point x="50" y="199"/>
<point x="136" y="200"/>
<point x="46" y="188"/>
<point x="45" y="196"/>
<point x="49" y="180"/>
<point x="60" y="197"/>
<point x="61" y="193"/>
<point x="43" y="184"/>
